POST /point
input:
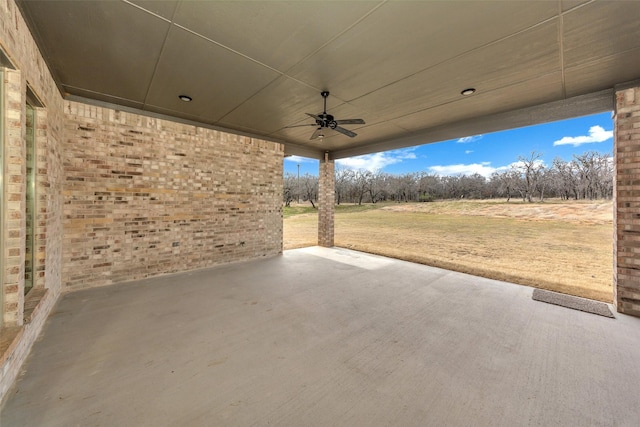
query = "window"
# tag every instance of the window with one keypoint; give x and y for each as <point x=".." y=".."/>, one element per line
<point x="30" y="247"/>
<point x="31" y="196"/>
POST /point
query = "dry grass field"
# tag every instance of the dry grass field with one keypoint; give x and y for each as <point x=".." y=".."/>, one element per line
<point x="561" y="246"/>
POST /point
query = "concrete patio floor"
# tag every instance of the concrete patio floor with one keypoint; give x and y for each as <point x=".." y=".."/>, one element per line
<point x="320" y="337"/>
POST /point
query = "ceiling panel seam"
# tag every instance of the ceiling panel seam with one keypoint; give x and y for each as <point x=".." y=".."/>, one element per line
<point x="164" y="44"/>
<point x="519" y="82"/>
<point x="561" y="45"/>
<point x="605" y="58"/>
<point x="46" y="54"/>
<point x="281" y="73"/>
<point x="67" y="95"/>
<point x="576" y="7"/>
<point x="240" y="104"/>
<point x="334" y="38"/>
<point x="148" y="11"/>
<point x="228" y="48"/>
<point x="465" y="53"/>
<point x="274" y="81"/>
<point x="286" y="75"/>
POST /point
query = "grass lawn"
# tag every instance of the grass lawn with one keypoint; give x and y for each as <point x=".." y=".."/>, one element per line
<point x="561" y="246"/>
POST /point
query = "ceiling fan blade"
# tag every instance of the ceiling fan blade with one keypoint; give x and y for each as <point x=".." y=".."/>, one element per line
<point x="314" y="116"/>
<point x="298" y="126"/>
<point x="350" y="122"/>
<point x="316" y="134"/>
<point x="345" y="131"/>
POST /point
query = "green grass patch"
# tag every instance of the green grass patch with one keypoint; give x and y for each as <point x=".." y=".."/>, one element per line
<point x="289" y="211"/>
<point x="350" y="208"/>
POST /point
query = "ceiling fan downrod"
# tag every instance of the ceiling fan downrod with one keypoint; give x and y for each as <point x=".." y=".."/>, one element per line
<point x="325" y="94"/>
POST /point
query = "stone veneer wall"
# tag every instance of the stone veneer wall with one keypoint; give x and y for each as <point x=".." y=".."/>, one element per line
<point x="18" y="331"/>
<point x="627" y="202"/>
<point x="146" y="196"/>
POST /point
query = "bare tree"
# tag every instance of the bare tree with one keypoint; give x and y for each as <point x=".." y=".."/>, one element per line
<point x="375" y="184"/>
<point x="404" y="187"/>
<point x="563" y="180"/>
<point x="472" y="186"/>
<point x="290" y="189"/>
<point x="309" y="188"/>
<point x="595" y="172"/>
<point x="507" y="182"/>
<point x="452" y="187"/>
<point x="541" y="181"/>
<point x="361" y="184"/>
<point x="529" y="169"/>
<point x="589" y="175"/>
<point x="429" y="187"/>
<point x="344" y="177"/>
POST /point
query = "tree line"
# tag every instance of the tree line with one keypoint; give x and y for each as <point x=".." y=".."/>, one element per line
<point x="587" y="176"/>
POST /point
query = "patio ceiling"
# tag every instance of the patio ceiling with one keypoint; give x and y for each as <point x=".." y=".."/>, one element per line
<point x="257" y="67"/>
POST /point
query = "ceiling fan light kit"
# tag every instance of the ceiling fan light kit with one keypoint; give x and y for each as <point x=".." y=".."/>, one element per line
<point x="327" y="121"/>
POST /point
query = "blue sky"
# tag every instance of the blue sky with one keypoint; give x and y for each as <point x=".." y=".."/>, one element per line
<point x="486" y="153"/>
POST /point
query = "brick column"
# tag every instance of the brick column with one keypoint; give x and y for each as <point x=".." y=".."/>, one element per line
<point x="326" y="202"/>
<point x="626" y="220"/>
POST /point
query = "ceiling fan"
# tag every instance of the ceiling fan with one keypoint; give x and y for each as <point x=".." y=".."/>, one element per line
<point x="327" y="121"/>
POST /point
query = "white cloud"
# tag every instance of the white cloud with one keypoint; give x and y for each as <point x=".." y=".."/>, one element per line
<point x="485" y="169"/>
<point x="519" y="164"/>
<point x="468" y="152"/>
<point x="298" y="159"/>
<point x="596" y="134"/>
<point x="468" y="139"/>
<point x="377" y="161"/>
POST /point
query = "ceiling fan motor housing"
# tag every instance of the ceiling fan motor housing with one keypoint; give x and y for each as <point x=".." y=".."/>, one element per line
<point x="325" y="120"/>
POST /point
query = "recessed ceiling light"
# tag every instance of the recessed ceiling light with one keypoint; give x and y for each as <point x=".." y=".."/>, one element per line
<point x="468" y="92"/>
<point x="185" y="98"/>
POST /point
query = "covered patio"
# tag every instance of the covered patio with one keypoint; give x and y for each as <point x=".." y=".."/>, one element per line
<point x="322" y="336"/>
<point x="141" y="225"/>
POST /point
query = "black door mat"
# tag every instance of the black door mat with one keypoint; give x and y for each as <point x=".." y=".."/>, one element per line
<point x="576" y="303"/>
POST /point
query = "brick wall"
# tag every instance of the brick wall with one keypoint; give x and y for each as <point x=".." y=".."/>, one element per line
<point x="29" y="69"/>
<point x="627" y="202"/>
<point x="142" y="196"/>
<point x="145" y="196"/>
